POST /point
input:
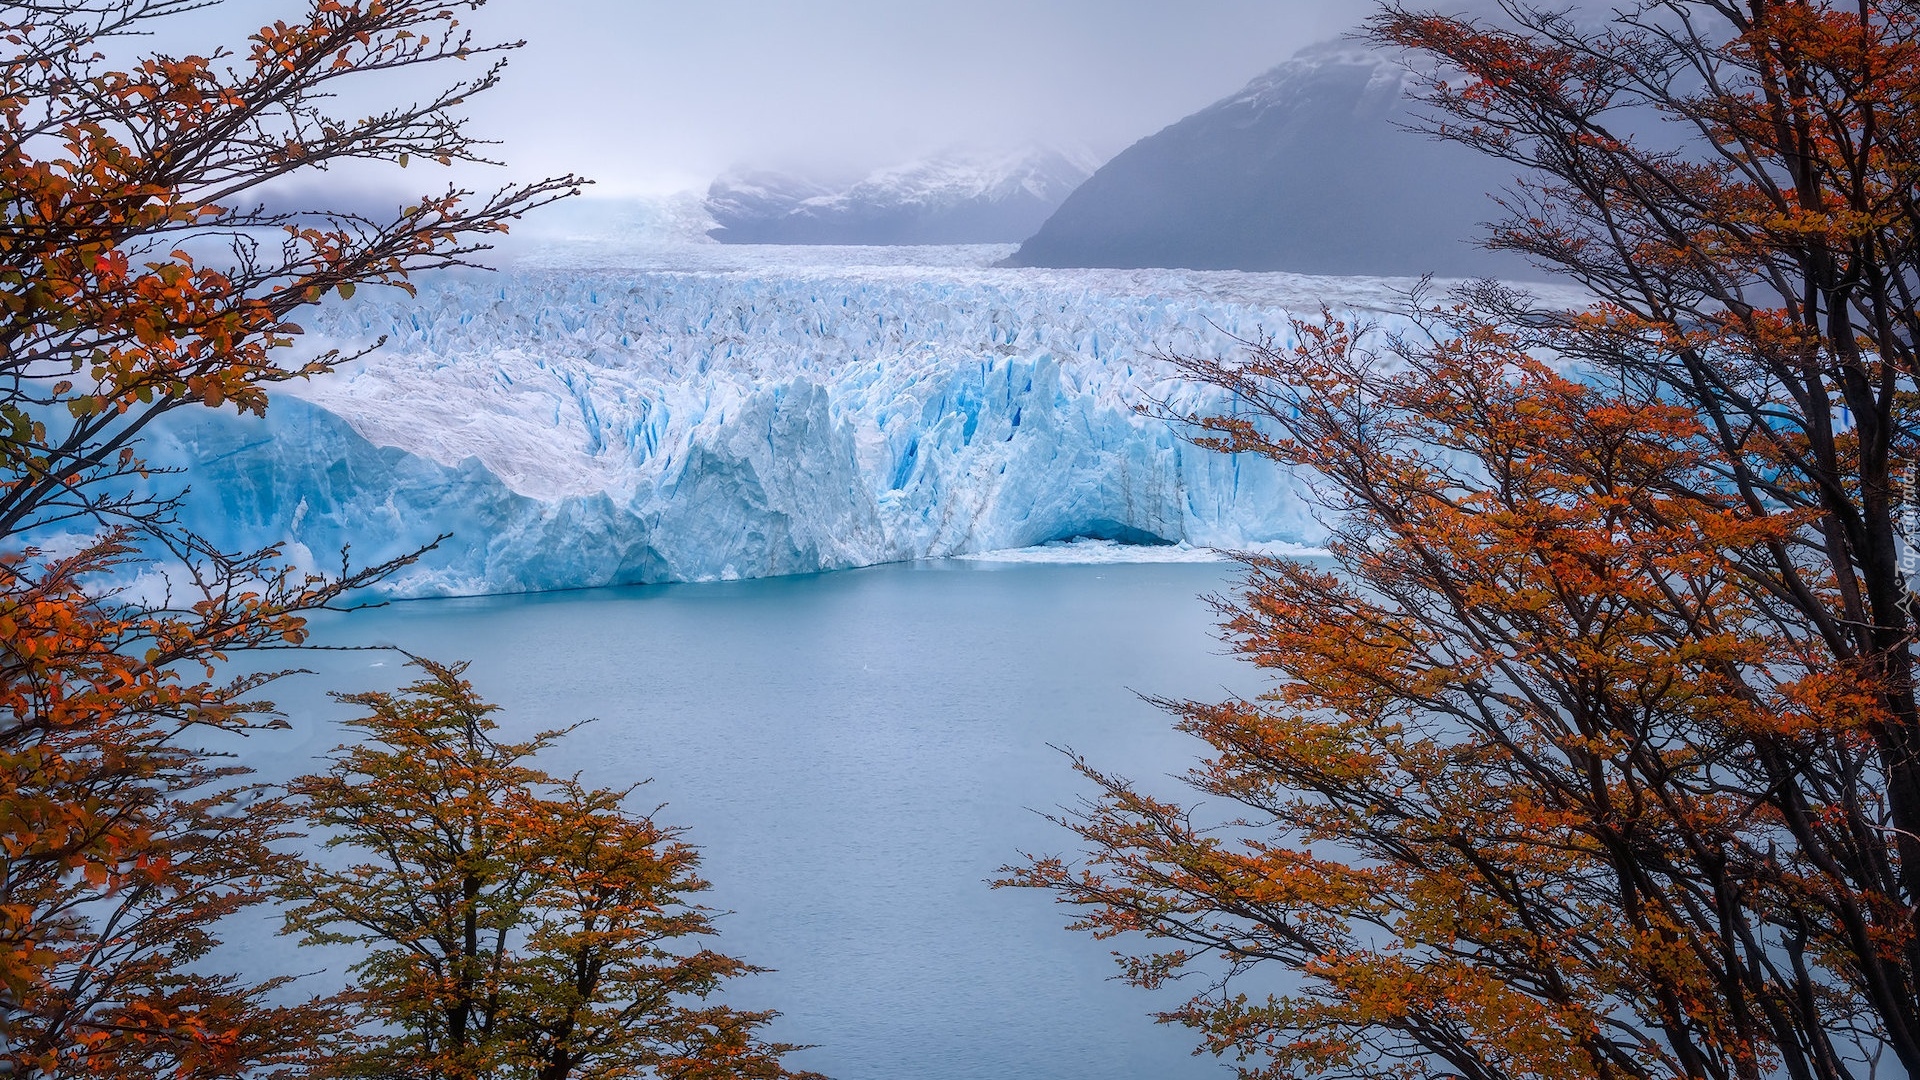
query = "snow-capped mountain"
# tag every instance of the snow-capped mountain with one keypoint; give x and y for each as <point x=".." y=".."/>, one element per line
<point x="583" y="424"/>
<point x="1307" y="169"/>
<point x="955" y="198"/>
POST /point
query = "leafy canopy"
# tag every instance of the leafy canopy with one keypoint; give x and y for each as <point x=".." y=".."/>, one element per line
<point x="1600" y="754"/>
<point x="518" y="925"/>
<point x="140" y="273"/>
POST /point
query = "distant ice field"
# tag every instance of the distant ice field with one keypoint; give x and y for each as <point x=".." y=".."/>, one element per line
<point x="611" y="411"/>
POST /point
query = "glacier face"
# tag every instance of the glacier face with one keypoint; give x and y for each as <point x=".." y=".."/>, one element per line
<point x="698" y="413"/>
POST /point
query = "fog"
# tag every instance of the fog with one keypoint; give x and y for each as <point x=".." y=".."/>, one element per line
<point x="649" y="96"/>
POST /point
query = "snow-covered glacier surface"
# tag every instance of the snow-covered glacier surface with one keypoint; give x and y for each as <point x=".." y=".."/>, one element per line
<point x="591" y="417"/>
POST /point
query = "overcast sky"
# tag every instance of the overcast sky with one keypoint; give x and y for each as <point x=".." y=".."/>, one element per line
<point x="649" y="96"/>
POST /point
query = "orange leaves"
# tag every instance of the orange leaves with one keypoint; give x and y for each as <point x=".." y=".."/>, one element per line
<point x="124" y="260"/>
<point x="117" y="862"/>
<point x="516" y="924"/>
<point x="134" y="281"/>
<point x="1541" y="711"/>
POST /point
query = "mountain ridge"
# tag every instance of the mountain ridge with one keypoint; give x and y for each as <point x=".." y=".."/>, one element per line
<point x="957" y="197"/>
<point x="1308" y="168"/>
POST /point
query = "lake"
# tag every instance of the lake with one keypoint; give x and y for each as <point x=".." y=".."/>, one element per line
<point x="855" y="753"/>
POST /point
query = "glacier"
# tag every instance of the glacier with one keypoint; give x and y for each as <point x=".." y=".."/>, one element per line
<point x="597" y="414"/>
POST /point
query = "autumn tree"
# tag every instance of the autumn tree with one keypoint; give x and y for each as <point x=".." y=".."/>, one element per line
<point x="516" y="924"/>
<point x="1506" y="811"/>
<point x="1598" y="754"/>
<point x="141" y="272"/>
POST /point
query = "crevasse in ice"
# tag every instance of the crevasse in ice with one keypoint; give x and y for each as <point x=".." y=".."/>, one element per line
<point x="747" y="414"/>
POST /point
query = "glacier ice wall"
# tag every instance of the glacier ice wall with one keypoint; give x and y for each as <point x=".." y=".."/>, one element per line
<point x="570" y="426"/>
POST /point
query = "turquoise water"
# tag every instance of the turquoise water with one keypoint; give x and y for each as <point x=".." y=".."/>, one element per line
<point x="856" y="754"/>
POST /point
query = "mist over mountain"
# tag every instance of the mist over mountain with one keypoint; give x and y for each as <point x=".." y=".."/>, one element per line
<point x="1304" y="170"/>
<point x="954" y="198"/>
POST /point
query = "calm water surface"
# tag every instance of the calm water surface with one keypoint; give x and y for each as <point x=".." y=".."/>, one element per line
<point x="855" y="754"/>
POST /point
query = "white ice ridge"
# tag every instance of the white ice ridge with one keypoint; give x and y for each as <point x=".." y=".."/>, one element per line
<point x="1085" y="551"/>
<point x="576" y="426"/>
<point x="1088" y="552"/>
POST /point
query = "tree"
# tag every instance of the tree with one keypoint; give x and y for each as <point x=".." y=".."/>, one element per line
<point x="140" y="274"/>
<point x="519" y="925"/>
<point x="1598" y="758"/>
<point x="1506" y="807"/>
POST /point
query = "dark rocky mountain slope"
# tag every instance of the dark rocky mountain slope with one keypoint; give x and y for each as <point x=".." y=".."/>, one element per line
<point x="1304" y="170"/>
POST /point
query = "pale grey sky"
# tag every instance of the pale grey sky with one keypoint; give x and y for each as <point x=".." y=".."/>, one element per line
<point x="649" y="96"/>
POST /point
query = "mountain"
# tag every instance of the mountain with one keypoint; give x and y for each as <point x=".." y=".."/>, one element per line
<point x="955" y="198"/>
<point x="1303" y="170"/>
